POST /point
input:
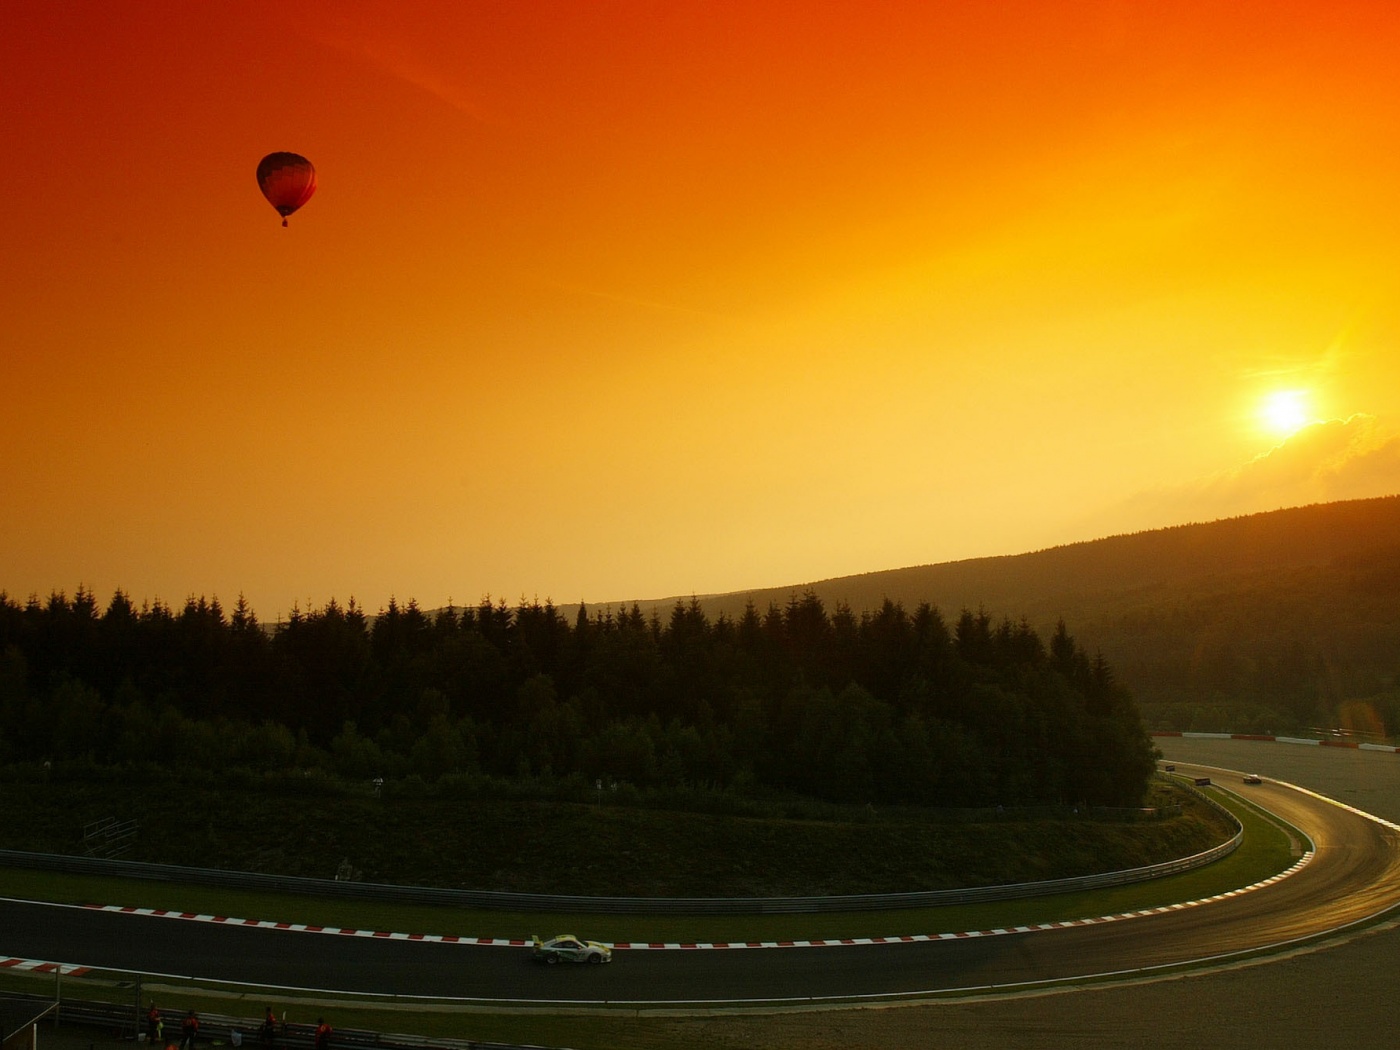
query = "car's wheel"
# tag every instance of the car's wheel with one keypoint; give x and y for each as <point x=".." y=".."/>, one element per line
<point x="595" y="958"/>
<point x="551" y="958"/>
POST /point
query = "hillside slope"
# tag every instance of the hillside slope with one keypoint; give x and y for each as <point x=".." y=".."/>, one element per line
<point x="1276" y="620"/>
<point x="1039" y="583"/>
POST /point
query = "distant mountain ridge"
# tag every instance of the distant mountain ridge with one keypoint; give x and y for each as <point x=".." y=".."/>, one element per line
<point x="1057" y="581"/>
<point x="1263" y="623"/>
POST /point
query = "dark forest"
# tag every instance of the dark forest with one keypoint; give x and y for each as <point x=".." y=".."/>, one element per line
<point x="885" y="707"/>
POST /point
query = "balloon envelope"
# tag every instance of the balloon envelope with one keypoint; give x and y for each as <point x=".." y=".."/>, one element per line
<point x="287" y="180"/>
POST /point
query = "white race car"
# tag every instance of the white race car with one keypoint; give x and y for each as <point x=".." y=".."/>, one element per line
<point x="568" y="948"/>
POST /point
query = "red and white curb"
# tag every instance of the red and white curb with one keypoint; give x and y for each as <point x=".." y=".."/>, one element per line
<point x="36" y="966"/>
<point x="516" y="942"/>
<point x="1341" y="742"/>
<point x="299" y="927"/>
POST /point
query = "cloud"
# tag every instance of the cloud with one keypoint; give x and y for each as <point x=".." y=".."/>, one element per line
<point x="398" y="58"/>
<point x="1322" y="463"/>
<point x="1337" y="459"/>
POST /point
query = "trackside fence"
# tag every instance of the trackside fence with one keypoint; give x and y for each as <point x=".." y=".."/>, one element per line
<point x="121" y="1022"/>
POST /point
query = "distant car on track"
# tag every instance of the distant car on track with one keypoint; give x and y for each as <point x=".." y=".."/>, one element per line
<point x="568" y="948"/>
<point x="1253" y="778"/>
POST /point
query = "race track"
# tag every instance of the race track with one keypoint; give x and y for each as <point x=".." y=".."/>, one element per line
<point x="1354" y="875"/>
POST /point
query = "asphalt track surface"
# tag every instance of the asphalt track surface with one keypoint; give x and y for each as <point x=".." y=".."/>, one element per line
<point x="1353" y="876"/>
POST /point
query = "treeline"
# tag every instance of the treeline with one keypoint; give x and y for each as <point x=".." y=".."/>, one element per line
<point x="886" y="707"/>
<point x="1286" y="652"/>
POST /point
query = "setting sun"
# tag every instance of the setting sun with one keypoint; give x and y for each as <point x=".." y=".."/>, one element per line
<point x="1285" y="412"/>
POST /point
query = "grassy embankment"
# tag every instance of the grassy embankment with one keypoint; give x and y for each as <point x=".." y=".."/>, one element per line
<point x="1267" y="850"/>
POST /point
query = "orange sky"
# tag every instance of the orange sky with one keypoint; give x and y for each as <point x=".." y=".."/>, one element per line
<point x="622" y="300"/>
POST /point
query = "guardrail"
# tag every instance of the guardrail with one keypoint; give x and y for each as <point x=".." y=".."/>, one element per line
<point x="497" y="901"/>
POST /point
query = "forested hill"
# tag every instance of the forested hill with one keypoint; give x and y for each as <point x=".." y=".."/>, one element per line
<point x="1271" y="622"/>
<point x="1088" y="577"/>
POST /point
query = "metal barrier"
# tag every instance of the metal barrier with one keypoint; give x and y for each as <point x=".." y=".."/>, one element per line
<point x="108" y="837"/>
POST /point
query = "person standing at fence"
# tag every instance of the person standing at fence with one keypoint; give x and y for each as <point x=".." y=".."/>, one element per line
<point x="155" y="1026"/>
<point x="267" y="1032"/>
<point x="323" y="1034"/>
<point x="189" y="1029"/>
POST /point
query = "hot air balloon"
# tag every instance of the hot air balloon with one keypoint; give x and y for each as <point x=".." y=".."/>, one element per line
<point x="287" y="180"/>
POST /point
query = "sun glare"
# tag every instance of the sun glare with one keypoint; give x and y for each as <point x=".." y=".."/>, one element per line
<point x="1285" y="412"/>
